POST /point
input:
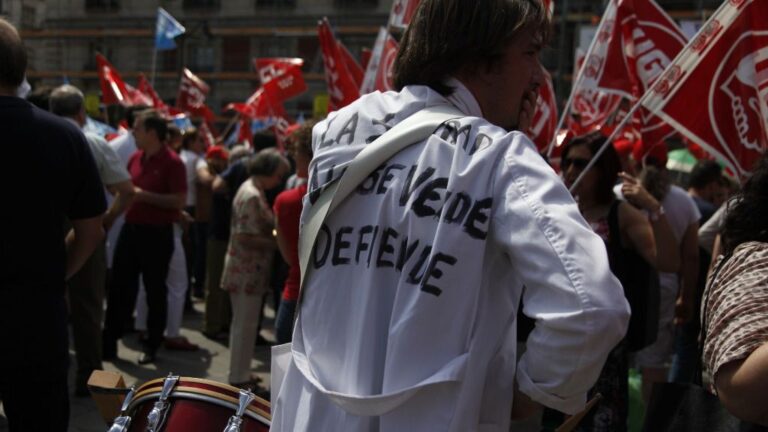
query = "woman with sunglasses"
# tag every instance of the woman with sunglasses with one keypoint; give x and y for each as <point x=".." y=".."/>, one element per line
<point x="599" y="206"/>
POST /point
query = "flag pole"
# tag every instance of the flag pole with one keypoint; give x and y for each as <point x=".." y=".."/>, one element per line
<point x="576" y="84"/>
<point x="648" y="93"/>
<point x="154" y="65"/>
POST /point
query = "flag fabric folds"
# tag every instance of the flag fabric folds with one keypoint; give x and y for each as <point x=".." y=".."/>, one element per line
<point x="716" y="92"/>
<point x="635" y="42"/>
<point x="113" y="89"/>
<point x="192" y="94"/>
<point x="166" y="29"/>
<point x="544" y="121"/>
<point x="342" y="89"/>
<point x="281" y="78"/>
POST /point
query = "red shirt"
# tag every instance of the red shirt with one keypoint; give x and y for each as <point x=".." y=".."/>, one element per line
<point x="161" y="173"/>
<point x="287" y="208"/>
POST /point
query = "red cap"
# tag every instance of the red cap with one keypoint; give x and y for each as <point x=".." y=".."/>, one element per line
<point x="654" y="155"/>
<point x="217" y="152"/>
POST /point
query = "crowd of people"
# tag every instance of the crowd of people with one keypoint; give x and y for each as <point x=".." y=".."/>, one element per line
<point x="410" y="306"/>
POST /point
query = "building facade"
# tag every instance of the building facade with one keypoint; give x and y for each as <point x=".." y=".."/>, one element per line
<point x="223" y="36"/>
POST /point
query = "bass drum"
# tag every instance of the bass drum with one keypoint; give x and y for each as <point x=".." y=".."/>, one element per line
<point x="194" y="404"/>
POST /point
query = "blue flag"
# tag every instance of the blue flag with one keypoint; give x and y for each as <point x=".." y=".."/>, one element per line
<point x="166" y="29"/>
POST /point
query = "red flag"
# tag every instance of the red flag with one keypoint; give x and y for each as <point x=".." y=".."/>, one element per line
<point x="716" y="93"/>
<point x="365" y="57"/>
<point x="544" y="121"/>
<point x="137" y="97"/>
<point x="402" y="13"/>
<point x="353" y="66"/>
<point x="191" y="97"/>
<point x="146" y="88"/>
<point x="635" y="43"/>
<point x="244" y="132"/>
<point x="113" y="89"/>
<point x="281" y="77"/>
<point x="378" y="75"/>
<point x="341" y="86"/>
<point x="259" y="105"/>
<point x="591" y="108"/>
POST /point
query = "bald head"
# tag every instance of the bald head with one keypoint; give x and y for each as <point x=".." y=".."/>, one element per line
<point x="13" y="58"/>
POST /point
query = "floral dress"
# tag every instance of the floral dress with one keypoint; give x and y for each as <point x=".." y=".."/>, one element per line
<point x="247" y="268"/>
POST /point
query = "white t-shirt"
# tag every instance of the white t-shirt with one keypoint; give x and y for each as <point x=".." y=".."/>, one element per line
<point x="408" y="319"/>
<point x="190" y="160"/>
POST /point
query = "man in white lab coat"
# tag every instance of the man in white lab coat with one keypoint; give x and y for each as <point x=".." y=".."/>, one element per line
<point x="409" y="315"/>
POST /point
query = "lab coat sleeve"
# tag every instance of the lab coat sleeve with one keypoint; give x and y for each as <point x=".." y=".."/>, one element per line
<point x="578" y="305"/>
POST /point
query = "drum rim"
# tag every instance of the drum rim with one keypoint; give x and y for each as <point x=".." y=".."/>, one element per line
<point x="146" y="391"/>
<point x="213" y="398"/>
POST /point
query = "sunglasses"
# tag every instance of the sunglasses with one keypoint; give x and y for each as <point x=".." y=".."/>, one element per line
<point x="577" y="163"/>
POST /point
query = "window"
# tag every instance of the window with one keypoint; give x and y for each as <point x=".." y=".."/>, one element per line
<point x="202" y="4"/>
<point x="356" y="3"/>
<point x="276" y="3"/>
<point x="235" y="54"/>
<point x="102" y="4"/>
<point x="201" y="57"/>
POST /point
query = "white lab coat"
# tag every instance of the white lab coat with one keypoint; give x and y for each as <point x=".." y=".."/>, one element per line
<point x="408" y="321"/>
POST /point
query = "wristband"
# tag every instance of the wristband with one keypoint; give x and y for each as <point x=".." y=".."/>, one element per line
<point x="655" y="215"/>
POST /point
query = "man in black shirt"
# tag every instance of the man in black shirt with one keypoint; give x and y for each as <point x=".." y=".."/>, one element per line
<point x="57" y="180"/>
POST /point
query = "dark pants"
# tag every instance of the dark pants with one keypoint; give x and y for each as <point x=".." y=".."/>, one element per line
<point x="199" y="235"/>
<point x="141" y="250"/>
<point x="86" y="312"/>
<point x="284" y="321"/>
<point x="36" y="406"/>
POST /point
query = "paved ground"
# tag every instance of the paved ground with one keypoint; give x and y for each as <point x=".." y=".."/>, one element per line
<point x="210" y="362"/>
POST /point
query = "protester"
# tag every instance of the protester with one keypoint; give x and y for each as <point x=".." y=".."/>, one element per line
<point x="654" y="193"/>
<point x="145" y="244"/>
<point x="705" y="187"/>
<point x="287" y="211"/>
<point x="192" y="153"/>
<point x="628" y="236"/>
<point x="408" y="316"/>
<point x="60" y="181"/>
<point x="249" y="258"/>
<point x="86" y="288"/>
<point x="736" y="305"/>
<point x="125" y="146"/>
<point x="218" y="312"/>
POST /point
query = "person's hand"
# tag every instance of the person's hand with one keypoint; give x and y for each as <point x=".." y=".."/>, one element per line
<point x="185" y="220"/>
<point x="636" y="194"/>
<point x="527" y="109"/>
<point x="683" y="311"/>
<point x="523" y="406"/>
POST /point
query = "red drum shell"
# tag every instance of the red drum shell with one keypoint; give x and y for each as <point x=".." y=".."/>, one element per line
<point x="197" y="405"/>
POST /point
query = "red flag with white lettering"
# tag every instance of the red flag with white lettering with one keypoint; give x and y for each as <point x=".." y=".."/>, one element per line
<point x="281" y="78"/>
<point x="341" y="86"/>
<point x="192" y="94"/>
<point x="635" y="42"/>
<point x="259" y="105"/>
<point x="591" y="108"/>
<point x="544" y="121"/>
<point x="146" y="88"/>
<point x="402" y="13"/>
<point x="716" y="92"/>
<point x="113" y="89"/>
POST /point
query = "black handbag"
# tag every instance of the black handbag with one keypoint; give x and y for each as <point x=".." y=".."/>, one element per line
<point x="640" y="281"/>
